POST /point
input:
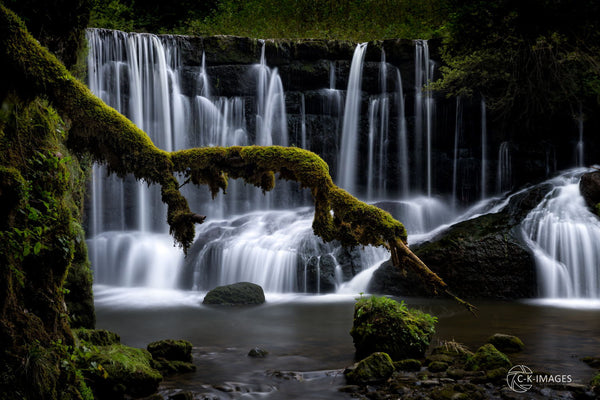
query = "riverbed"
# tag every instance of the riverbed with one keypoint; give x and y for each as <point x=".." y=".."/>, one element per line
<point x="308" y="339"/>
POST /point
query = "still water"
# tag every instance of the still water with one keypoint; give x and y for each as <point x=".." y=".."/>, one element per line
<point x="308" y="339"/>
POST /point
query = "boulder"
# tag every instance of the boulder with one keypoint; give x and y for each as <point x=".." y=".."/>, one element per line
<point x="121" y="371"/>
<point x="382" y="324"/>
<point x="506" y="343"/>
<point x="257" y="352"/>
<point x="375" y="368"/>
<point x="409" y="365"/>
<point x="484" y="257"/>
<point x="172" y="350"/>
<point x="241" y="293"/>
<point x="320" y="274"/>
<point x="487" y="358"/>
<point x="589" y="186"/>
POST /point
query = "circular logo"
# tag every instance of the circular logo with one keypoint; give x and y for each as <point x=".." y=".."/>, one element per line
<point x="519" y="378"/>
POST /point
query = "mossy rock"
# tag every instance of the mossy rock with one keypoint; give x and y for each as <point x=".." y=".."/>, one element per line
<point x="383" y="324"/>
<point x="241" y="293"/>
<point x="593" y="362"/>
<point x="122" y="371"/>
<point x="97" y="337"/>
<point x="257" y="352"/>
<point x="595" y="382"/>
<point x="409" y="365"/>
<point x="506" y="343"/>
<point x="167" y="367"/>
<point x="487" y="358"/>
<point x="439" y="358"/>
<point x="376" y="368"/>
<point x="172" y="350"/>
<point x="438" y="366"/>
<point x="497" y="375"/>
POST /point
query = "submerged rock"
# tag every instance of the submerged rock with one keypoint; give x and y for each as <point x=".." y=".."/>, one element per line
<point x="384" y="325"/>
<point x="375" y="368"/>
<point x="506" y="343"/>
<point x="257" y="352"/>
<point x="410" y="364"/>
<point x="241" y="293"/>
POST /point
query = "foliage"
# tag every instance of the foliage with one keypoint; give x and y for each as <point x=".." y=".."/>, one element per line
<point x="527" y="59"/>
<point x="383" y="324"/>
<point x="332" y="19"/>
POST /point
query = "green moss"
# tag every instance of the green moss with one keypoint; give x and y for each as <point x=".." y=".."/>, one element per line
<point x="487" y="358"/>
<point x="119" y="370"/>
<point x="96" y="337"/>
<point x="410" y="364"/>
<point x="506" y="343"/>
<point x="375" y="368"/>
<point x="437" y="366"/>
<point x="595" y="380"/>
<point x="597" y="209"/>
<point x="383" y="324"/>
<point x="173" y="350"/>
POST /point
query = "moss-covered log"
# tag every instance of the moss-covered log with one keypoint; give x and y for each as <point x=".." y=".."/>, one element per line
<point x="115" y="141"/>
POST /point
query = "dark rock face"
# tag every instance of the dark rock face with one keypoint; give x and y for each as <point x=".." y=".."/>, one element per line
<point x="241" y="293"/>
<point x="589" y="185"/>
<point x="484" y="257"/>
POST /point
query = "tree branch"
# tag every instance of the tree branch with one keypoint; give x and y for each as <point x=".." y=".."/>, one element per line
<point x="112" y="139"/>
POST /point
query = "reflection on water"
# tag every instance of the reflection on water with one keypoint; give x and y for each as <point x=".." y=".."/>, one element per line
<point x="310" y="333"/>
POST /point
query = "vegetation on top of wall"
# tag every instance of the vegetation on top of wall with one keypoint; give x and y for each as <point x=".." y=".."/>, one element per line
<point x="355" y="20"/>
<point x="529" y="60"/>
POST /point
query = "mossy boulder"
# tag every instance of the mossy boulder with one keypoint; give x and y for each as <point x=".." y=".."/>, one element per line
<point x="172" y="350"/>
<point x="506" y="343"/>
<point x="172" y="356"/>
<point x="241" y="293"/>
<point x="375" y="368"/>
<point x="438" y="366"/>
<point x="595" y="382"/>
<point x="487" y="358"/>
<point x="119" y="371"/>
<point x="382" y="324"/>
<point x="409" y="365"/>
<point x="97" y="337"/>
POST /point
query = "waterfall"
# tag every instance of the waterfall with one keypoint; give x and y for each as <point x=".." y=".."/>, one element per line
<point x="504" y="176"/>
<point x="483" y="149"/>
<point x="579" y="148"/>
<point x="424" y="104"/>
<point x="402" y="139"/>
<point x="564" y="237"/>
<point x="271" y="120"/>
<point x="457" y="131"/>
<point x="347" y="164"/>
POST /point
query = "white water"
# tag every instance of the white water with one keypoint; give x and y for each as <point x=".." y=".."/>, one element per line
<point x="564" y="237"/>
<point x="457" y="132"/>
<point x="347" y="163"/>
<point x="140" y="75"/>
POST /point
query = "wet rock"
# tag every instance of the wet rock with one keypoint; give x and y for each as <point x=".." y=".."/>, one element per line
<point x="455" y="373"/>
<point x="349" y="389"/>
<point x="410" y="364"/>
<point x="129" y="372"/>
<point x="172" y="350"/>
<point x="183" y="395"/>
<point x="445" y="358"/>
<point x="589" y="186"/>
<point x="383" y="324"/>
<point x="257" y="352"/>
<point x="320" y="274"/>
<point x="506" y="343"/>
<point x="428" y="383"/>
<point x="487" y="358"/>
<point x="286" y="375"/>
<point x="497" y="375"/>
<point x="241" y="293"/>
<point x="485" y="257"/>
<point x="375" y="368"/>
<point x="593" y="362"/>
<point x="172" y="356"/>
<point x="437" y="366"/>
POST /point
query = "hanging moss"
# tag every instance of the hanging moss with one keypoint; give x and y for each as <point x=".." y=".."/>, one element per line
<point x="115" y="141"/>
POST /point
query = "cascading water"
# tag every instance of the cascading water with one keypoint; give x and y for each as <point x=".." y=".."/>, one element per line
<point x="424" y="112"/>
<point x="347" y="164"/>
<point x="142" y="76"/>
<point x="564" y="237"/>
<point x="504" y="176"/>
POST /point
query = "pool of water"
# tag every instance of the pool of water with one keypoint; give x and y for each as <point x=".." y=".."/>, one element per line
<point x="308" y="339"/>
